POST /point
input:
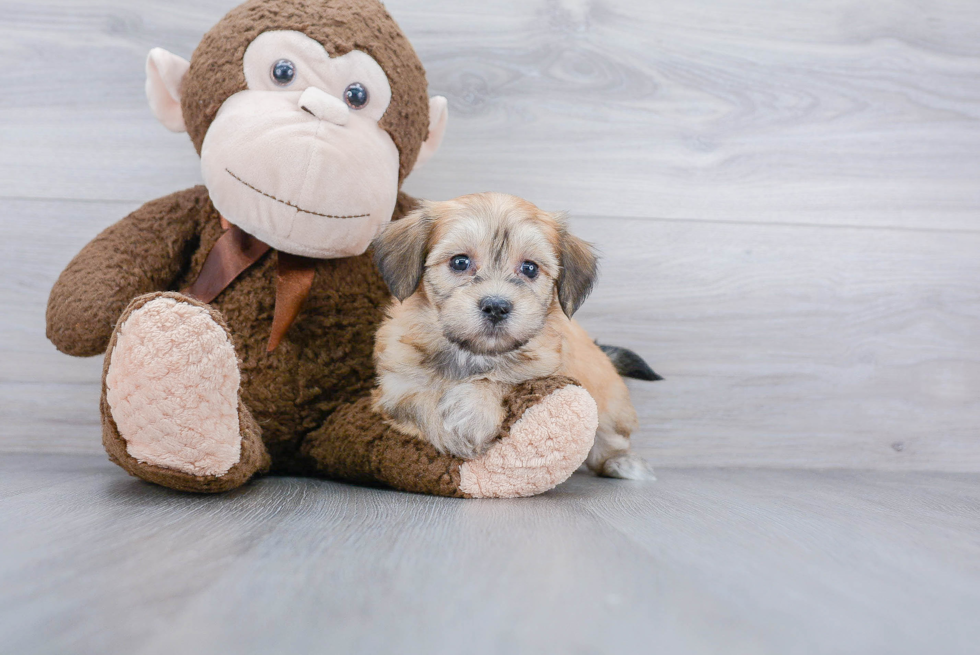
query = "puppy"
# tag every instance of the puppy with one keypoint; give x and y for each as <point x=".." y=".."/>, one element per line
<point x="485" y="286"/>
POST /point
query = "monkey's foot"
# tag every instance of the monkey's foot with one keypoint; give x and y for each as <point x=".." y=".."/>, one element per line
<point x="171" y="388"/>
<point x="551" y="430"/>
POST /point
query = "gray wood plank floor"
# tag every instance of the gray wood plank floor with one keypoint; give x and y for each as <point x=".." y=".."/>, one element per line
<point x="787" y="199"/>
<point x="702" y="561"/>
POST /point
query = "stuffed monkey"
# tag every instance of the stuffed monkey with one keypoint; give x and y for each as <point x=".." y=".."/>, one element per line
<point x="238" y="318"/>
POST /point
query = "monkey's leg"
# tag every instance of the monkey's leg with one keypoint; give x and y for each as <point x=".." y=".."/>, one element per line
<point x="171" y="409"/>
<point x="549" y="429"/>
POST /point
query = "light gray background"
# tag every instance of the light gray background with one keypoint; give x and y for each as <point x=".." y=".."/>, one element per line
<point x="787" y="197"/>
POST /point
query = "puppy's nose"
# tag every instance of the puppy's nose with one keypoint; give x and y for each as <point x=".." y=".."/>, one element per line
<point x="324" y="106"/>
<point x="495" y="309"/>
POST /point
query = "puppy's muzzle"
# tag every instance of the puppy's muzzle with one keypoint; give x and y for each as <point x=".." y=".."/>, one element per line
<point x="496" y="309"/>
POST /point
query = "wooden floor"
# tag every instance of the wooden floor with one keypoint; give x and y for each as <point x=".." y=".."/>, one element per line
<point x="787" y="197"/>
<point x="702" y="561"/>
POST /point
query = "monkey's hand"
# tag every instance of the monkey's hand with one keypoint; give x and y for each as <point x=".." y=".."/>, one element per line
<point x="142" y="253"/>
<point x="471" y="414"/>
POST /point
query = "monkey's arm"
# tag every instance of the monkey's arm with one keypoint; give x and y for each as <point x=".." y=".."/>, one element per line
<point x="550" y="426"/>
<point x="143" y="252"/>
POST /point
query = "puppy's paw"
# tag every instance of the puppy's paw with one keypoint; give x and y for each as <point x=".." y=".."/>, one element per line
<point x="471" y="416"/>
<point x="466" y="444"/>
<point x="626" y="466"/>
<point x="471" y="436"/>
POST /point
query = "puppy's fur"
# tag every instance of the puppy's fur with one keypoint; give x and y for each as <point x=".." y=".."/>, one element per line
<point x="456" y="341"/>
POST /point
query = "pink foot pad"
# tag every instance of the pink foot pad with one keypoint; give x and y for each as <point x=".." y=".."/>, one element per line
<point x="544" y="447"/>
<point x="172" y="388"/>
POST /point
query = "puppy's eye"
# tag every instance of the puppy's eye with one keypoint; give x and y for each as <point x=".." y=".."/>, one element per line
<point x="459" y="263"/>
<point x="356" y="96"/>
<point x="283" y="72"/>
<point x="529" y="269"/>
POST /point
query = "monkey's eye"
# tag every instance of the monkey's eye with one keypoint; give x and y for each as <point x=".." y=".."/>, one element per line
<point x="529" y="269"/>
<point x="459" y="263"/>
<point x="356" y="95"/>
<point x="283" y="72"/>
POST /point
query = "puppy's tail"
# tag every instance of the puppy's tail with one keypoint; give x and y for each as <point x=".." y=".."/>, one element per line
<point x="628" y="363"/>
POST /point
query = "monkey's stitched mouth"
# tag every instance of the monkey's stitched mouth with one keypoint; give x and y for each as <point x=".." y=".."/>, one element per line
<point x="289" y="204"/>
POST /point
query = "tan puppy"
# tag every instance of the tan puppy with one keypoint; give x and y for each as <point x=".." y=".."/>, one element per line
<point x="485" y="286"/>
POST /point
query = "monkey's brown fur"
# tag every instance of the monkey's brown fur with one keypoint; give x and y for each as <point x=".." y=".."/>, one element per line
<point x="304" y="407"/>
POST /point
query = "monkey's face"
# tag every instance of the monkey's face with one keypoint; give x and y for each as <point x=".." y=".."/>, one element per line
<point x="308" y="114"/>
<point x="298" y="159"/>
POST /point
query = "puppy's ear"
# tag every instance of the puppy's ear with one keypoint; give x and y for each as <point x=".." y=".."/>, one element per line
<point x="579" y="270"/>
<point x="400" y="252"/>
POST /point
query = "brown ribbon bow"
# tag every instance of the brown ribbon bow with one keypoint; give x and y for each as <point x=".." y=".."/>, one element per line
<point x="236" y="251"/>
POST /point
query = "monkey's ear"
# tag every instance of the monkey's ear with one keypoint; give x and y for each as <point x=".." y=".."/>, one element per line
<point x="438" y="116"/>
<point x="165" y="72"/>
<point x="579" y="270"/>
<point x="400" y="252"/>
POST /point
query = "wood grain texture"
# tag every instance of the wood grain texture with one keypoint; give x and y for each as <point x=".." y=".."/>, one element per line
<point x="796" y="345"/>
<point x="782" y="345"/>
<point x="836" y="112"/>
<point x="786" y="199"/>
<point x="702" y="561"/>
<point x="787" y="203"/>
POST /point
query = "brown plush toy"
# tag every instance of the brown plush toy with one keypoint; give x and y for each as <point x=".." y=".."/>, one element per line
<point x="238" y="318"/>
